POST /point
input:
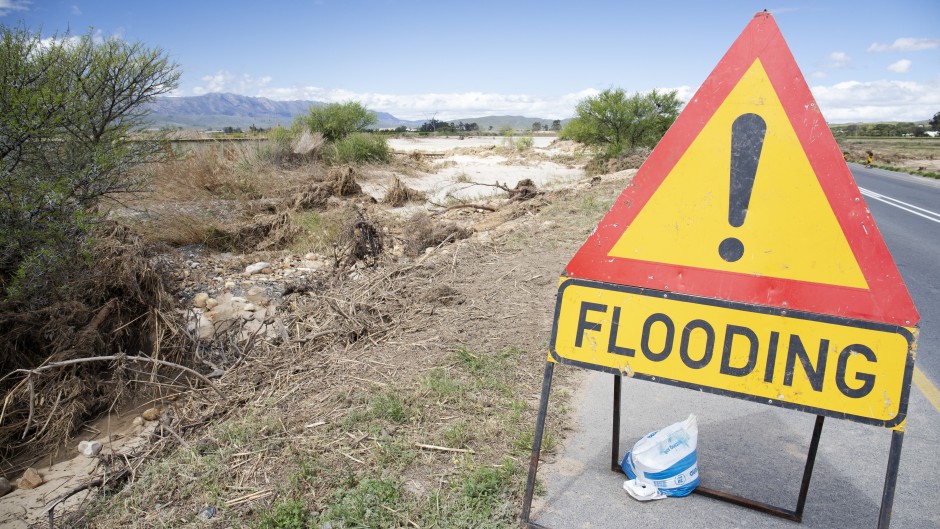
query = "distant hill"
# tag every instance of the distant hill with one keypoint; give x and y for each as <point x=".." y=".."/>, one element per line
<point x="218" y="110"/>
<point x="224" y="110"/>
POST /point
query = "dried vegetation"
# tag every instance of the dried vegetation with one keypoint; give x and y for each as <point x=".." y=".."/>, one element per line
<point x="399" y="390"/>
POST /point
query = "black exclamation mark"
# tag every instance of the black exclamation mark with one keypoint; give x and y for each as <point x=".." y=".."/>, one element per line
<point x="747" y="140"/>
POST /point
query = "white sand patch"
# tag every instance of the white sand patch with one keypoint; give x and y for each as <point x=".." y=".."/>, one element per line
<point x="460" y="173"/>
<point x="458" y="181"/>
<point x="446" y="143"/>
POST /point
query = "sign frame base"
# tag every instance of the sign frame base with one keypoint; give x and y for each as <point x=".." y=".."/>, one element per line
<point x="796" y="515"/>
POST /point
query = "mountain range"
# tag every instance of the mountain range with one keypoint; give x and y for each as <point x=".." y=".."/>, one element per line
<point x="218" y="110"/>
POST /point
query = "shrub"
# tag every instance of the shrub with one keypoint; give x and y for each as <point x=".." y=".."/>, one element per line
<point x="358" y="148"/>
<point x="614" y="121"/>
<point x="336" y="120"/>
<point x="523" y="143"/>
<point x="67" y="107"/>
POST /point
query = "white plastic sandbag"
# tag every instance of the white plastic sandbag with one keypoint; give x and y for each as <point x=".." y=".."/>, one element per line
<point x="664" y="463"/>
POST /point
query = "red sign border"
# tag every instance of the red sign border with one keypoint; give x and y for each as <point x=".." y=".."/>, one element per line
<point x="887" y="299"/>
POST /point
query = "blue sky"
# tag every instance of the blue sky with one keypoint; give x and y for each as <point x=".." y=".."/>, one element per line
<point x="864" y="60"/>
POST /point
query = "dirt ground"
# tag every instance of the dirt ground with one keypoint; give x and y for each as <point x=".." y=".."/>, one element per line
<point x="911" y="154"/>
<point x="396" y="388"/>
<point x="411" y="384"/>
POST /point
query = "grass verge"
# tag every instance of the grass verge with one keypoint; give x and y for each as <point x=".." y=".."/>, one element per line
<point x="444" y="448"/>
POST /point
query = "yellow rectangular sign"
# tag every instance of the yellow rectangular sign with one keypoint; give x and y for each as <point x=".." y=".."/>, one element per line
<point x="849" y="369"/>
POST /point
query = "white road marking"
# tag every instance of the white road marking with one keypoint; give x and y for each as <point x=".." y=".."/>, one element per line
<point x="910" y="208"/>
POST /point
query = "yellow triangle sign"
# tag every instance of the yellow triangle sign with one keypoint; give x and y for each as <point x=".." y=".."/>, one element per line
<point x="789" y="230"/>
<point x="747" y="198"/>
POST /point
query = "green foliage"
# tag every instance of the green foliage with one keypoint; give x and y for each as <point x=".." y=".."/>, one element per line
<point x="442" y="385"/>
<point x="358" y="148"/>
<point x="884" y="130"/>
<point x="287" y="514"/>
<point x="67" y="107"/>
<point x="371" y="503"/>
<point x="935" y="122"/>
<point x="434" y="125"/>
<point x="523" y="143"/>
<point x="342" y="126"/>
<point x="389" y="406"/>
<point x="336" y="120"/>
<point x="488" y="483"/>
<point x="614" y="121"/>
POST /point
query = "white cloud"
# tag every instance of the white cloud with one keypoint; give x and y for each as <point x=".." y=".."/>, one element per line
<point x="69" y="41"/>
<point x="878" y="100"/>
<point x="224" y="81"/>
<point x="907" y="44"/>
<point x="884" y="100"/>
<point x="7" y="6"/>
<point x="76" y="10"/>
<point x="901" y="66"/>
<point x="838" y="59"/>
<point x="444" y="106"/>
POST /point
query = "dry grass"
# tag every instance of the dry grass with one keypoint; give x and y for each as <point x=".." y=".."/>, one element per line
<point x="381" y="397"/>
<point x="631" y="159"/>
<point x="399" y="194"/>
<point x="120" y="307"/>
<point x="423" y="232"/>
<point x="403" y="394"/>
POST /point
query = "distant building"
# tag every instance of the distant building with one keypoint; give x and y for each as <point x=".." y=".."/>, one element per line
<point x="932" y="133"/>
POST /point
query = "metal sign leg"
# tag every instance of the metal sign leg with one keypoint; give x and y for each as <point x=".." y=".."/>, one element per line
<point x="537" y="443"/>
<point x="891" y="479"/>
<point x="615" y="433"/>
<point x="808" y="469"/>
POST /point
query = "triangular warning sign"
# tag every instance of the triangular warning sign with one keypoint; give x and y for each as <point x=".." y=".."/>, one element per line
<point x="747" y="198"/>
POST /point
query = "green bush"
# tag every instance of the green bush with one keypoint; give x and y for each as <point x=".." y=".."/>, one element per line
<point x="614" y="122"/>
<point x="336" y="120"/>
<point x="358" y="148"/>
<point x="67" y="108"/>
<point x="523" y="143"/>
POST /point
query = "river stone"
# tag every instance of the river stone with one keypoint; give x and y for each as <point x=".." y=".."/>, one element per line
<point x="151" y="414"/>
<point x="257" y="267"/>
<point x="89" y="448"/>
<point x="30" y="480"/>
<point x="200" y="300"/>
<point x="256" y="295"/>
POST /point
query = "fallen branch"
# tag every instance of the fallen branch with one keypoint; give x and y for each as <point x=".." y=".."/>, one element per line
<point x="112" y="358"/>
<point x="249" y="497"/>
<point x="444" y="448"/>
<point x="315" y="335"/>
<point x="459" y="206"/>
<point x="496" y="185"/>
<point x="101" y="316"/>
<point x="85" y="486"/>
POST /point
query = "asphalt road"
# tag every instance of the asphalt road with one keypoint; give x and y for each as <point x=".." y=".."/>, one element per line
<point x="758" y="451"/>
<point x="906" y="209"/>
